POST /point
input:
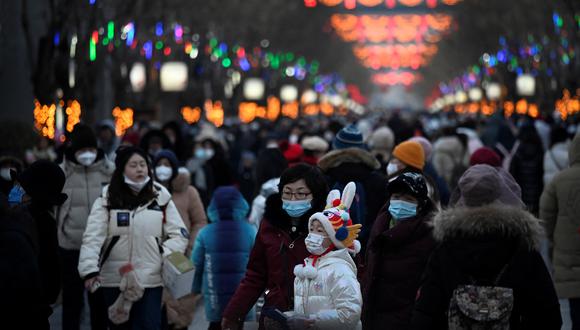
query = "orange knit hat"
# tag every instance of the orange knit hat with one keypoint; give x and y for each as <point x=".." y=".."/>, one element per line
<point x="411" y="153"/>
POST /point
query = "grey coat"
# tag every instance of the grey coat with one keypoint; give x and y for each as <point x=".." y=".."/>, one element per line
<point x="560" y="209"/>
<point x="83" y="186"/>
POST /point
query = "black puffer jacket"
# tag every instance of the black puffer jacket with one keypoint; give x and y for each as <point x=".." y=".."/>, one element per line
<point x="476" y="243"/>
<point x="527" y="167"/>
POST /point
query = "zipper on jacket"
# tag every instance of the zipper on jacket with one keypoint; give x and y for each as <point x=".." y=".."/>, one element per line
<point x="159" y="246"/>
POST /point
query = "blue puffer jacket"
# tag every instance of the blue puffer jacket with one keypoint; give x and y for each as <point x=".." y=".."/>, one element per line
<point x="222" y="250"/>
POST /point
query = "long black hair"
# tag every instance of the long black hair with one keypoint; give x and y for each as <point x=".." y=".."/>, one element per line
<point x="120" y="196"/>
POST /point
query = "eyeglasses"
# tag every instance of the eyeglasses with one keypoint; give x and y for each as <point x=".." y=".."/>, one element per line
<point x="297" y="195"/>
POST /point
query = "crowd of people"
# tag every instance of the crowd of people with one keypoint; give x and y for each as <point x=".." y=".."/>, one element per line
<point x="380" y="222"/>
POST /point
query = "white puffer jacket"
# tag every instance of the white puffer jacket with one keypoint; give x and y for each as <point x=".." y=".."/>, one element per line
<point x="145" y="238"/>
<point x="329" y="292"/>
<point x="269" y="187"/>
<point x="555" y="160"/>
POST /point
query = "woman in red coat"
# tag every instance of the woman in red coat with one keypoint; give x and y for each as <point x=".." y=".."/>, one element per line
<point x="279" y="244"/>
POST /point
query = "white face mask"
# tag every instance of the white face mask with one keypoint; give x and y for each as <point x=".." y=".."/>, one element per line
<point x="136" y="186"/>
<point x="86" y="158"/>
<point x="163" y="172"/>
<point x="392" y="169"/>
<point x="314" y="244"/>
<point x="209" y="153"/>
<point x="5" y="173"/>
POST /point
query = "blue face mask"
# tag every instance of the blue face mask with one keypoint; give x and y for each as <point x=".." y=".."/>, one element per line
<point x="296" y="209"/>
<point x="15" y="195"/>
<point x="401" y="210"/>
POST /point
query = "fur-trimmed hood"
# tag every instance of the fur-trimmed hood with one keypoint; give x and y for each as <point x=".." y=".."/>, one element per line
<point x="493" y="219"/>
<point x="336" y="158"/>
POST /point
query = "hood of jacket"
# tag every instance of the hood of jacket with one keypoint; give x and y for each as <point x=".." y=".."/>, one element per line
<point x="496" y="220"/>
<point x="100" y="162"/>
<point x="574" y="153"/>
<point x="336" y="158"/>
<point x="182" y="181"/>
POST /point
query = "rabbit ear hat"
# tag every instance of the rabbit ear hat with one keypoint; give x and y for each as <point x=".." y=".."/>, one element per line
<point x="336" y="219"/>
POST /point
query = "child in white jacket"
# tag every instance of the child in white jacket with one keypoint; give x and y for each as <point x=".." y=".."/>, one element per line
<point x="327" y="293"/>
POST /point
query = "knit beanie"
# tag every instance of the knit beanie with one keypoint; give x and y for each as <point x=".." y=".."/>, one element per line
<point x="486" y="156"/>
<point x="348" y="137"/>
<point x="425" y="144"/>
<point x="410" y="153"/>
<point x="43" y="182"/>
<point x="82" y="137"/>
<point x="382" y="139"/>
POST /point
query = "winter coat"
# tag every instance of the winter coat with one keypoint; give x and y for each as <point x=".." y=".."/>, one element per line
<point x="220" y="256"/>
<point x="560" y="210"/>
<point x="23" y="306"/>
<point x="357" y="165"/>
<point x="396" y="258"/>
<point x="475" y="245"/>
<point x="83" y="186"/>
<point x="448" y="153"/>
<point x="269" y="188"/>
<point x="333" y="298"/>
<point x="555" y="160"/>
<point x="276" y="251"/>
<point x="527" y="167"/>
<point x="140" y="242"/>
<point x="48" y="256"/>
<point x="189" y="206"/>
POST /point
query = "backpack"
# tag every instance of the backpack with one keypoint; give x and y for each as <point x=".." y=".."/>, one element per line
<point x="474" y="307"/>
<point x="358" y="211"/>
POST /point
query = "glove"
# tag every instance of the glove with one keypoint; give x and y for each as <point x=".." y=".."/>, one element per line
<point x="299" y="322"/>
<point x="119" y="311"/>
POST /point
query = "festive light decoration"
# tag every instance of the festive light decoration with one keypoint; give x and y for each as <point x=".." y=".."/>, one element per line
<point x="191" y="115"/>
<point x="123" y="120"/>
<point x="274" y="108"/>
<point x="390" y="4"/>
<point x="44" y="119"/>
<point x="173" y="76"/>
<point x="254" y="88"/>
<point x="395" y="78"/>
<point x="493" y="91"/>
<point x="475" y="94"/>
<point x="288" y="93"/>
<point x="290" y="110"/>
<point x="568" y="105"/>
<point x="73" y="114"/>
<point x="525" y="85"/>
<point x="214" y="112"/>
<point x="137" y="76"/>
<point x="395" y="56"/>
<point x="308" y="96"/>
<point x="539" y="57"/>
<point x="394" y="28"/>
